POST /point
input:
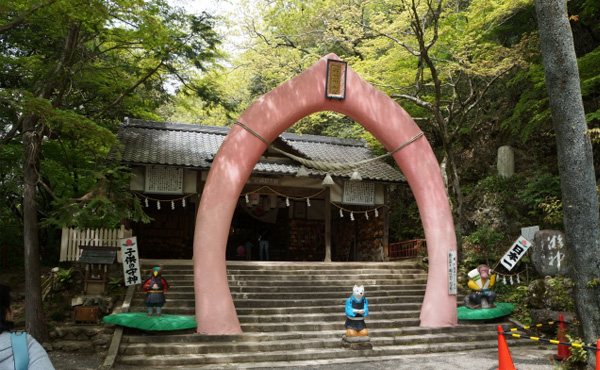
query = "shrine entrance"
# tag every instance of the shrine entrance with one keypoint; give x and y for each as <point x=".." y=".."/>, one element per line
<point x="328" y="85"/>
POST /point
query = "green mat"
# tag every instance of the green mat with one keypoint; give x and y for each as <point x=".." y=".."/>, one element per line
<point x="501" y="309"/>
<point x="140" y="320"/>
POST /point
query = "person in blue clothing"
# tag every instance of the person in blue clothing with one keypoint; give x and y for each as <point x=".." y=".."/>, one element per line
<point x="357" y="308"/>
<point x="31" y="356"/>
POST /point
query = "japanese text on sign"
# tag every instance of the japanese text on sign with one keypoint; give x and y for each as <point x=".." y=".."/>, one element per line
<point x="359" y="193"/>
<point x="131" y="261"/>
<point x="336" y="79"/>
<point x="163" y="180"/>
<point x="452" y="266"/>
<point x="514" y="254"/>
<point x="335" y="76"/>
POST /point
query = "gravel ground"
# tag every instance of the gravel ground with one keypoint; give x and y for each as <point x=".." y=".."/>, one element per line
<point x="76" y="360"/>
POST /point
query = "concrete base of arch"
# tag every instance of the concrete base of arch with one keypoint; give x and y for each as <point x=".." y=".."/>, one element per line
<point x="269" y="116"/>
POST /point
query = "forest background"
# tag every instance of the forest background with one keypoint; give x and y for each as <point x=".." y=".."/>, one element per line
<point x="469" y="72"/>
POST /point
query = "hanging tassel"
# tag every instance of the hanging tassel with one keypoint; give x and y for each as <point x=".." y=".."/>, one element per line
<point x="366" y="215"/>
<point x="352" y="216"/>
<point x="518" y="280"/>
<point x="376" y="213"/>
<point x="504" y="280"/>
<point x="183" y="202"/>
<point x="341" y="213"/>
<point x="308" y="202"/>
<point x="173" y="205"/>
<point x="247" y="198"/>
<point x="157" y="204"/>
<point x="287" y="202"/>
<point x="146" y="202"/>
<point x="511" y="280"/>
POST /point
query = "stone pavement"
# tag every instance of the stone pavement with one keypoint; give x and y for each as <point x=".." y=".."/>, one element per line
<point x="529" y="357"/>
<point x="524" y="358"/>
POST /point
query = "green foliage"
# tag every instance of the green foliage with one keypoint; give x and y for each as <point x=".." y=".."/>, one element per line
<point x="104" y="206"/>
<point x="560" y="292"/>
<point x="115" y="283"/>
<point x="553" y="210"/>
<point x="516" y="294"/>
<point x="75" y="71"/>
<point x="593" y="283"/>
<point x="63" y="279"/>
<point x="405" y="221"/>
<point x="578" y="357"/>
<point x="541" y="193"/>
<point x="482" y="245"/>
<point x="532" y="110"/>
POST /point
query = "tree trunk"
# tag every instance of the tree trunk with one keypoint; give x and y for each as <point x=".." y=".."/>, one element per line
<point x="34" y="314"/>
<point x="576" y="167"/>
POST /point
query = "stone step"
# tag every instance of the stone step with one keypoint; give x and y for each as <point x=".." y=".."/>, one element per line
<point x="188" y="309"/>
<point x="409" y="331"/>
<point x="320" y="317"/>
<point x="266" y="359"/>
<point x="284" y="265"/>
<point x="348" y="283"/>
<point x="346" y="289"/>
<point x="324" y="325"/>
<point x="326" y="309"/>
<point x="266" y="294"/>
<point x="269" y="272"/>
<point x="355" y="278"/>
<point x="138" y="302"/>
<point x="287" y="286"/>
<point x="316" y="342"/>
<point x="292" y="313"/>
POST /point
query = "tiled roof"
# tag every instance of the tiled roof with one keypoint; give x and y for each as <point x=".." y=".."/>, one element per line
<point x="194" y="146"/>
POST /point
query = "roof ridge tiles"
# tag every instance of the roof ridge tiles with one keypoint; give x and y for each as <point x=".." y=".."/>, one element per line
<point x="175" y="126"/>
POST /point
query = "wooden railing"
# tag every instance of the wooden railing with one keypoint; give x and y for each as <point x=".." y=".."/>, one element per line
<point x="407" y="249"/>
<point x="73" y="238"/>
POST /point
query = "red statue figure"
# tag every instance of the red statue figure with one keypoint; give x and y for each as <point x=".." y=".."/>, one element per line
<point x="155" y="286"/>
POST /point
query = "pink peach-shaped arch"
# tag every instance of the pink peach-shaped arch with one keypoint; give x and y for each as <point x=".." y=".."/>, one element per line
<point x="269" y="116"/>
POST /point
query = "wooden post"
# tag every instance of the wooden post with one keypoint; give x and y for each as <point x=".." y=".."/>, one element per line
<point x="386" y="224"/>
<point x="327" y="226"/>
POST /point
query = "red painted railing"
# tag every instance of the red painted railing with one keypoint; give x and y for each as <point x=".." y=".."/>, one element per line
<point x="407" y="249"/>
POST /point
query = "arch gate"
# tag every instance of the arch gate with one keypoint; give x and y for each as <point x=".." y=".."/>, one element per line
<point x="269" y="116"/>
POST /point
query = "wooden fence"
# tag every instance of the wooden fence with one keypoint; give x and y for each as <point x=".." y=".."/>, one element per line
<point x="72" y="238"/>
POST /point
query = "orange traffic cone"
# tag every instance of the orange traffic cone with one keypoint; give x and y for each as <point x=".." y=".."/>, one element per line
<point x="597" y="354"/>
<point x="564" y="351"/>
<point x="505" y="362"/>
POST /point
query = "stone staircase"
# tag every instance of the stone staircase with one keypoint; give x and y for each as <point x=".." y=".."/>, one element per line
<point x="292" y="314"/>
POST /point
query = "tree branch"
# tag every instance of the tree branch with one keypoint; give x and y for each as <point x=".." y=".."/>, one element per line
<point x="21" y="18"/>
<point x="414" y="99"/>
<point x="128" y="91"/>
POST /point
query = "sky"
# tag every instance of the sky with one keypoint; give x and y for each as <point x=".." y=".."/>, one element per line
<point x="216" y="7"/>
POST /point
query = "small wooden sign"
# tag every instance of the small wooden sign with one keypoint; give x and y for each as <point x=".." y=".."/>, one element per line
<point x="452" y="273"/>
<point x="131" y="261"/>
<point x="335" y="87"/>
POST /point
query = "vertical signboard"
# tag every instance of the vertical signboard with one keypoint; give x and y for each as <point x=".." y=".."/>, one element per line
<point x="514" y="254"/>
<point x="452" y="274"/>
<point x="131" y="261"/>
